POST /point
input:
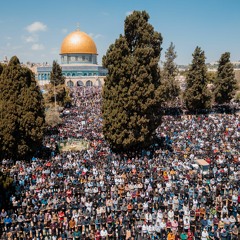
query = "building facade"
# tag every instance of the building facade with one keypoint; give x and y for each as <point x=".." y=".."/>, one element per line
<point x="78" y="61"/>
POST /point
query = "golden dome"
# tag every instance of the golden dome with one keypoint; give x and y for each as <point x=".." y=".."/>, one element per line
<point x="78" y="42"/>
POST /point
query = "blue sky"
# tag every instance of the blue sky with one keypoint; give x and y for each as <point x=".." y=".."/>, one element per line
<point x="34" y="30"/>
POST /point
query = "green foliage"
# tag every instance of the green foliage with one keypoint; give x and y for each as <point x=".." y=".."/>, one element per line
<point x="237" y="97"/>
<point x="6" y="189"/>
<point x="197" y="95"/>
<point x="171" y="89"/>
<point x="1" y="68"/>
<point x="58" y="88"/>
<point x="226" y="83"/>
<point x="21" y="112"/>
<point x="56" y="76"/>
<point x="211" y="76"/>
<point x="131" y="93"/>
<point x="61" y="92"/>
<point x="52" y="117"/>
<point x="5" y="181"/>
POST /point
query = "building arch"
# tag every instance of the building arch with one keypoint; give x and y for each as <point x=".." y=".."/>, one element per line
<point x="99" y="83"/>
<point x="70" y="83"/>
<point x="89" y="83"/>
<point x="80" y="83"/>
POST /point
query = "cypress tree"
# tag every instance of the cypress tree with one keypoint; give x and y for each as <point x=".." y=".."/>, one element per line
<point x="197" y="96"/>
<point x="22" y="112"/>
<point x="1" y="68"/>
<point x="225" y="83"/>
<point x="56" y="76"/>
<point x="171" y="89"/>
<point x="131" y="93"/>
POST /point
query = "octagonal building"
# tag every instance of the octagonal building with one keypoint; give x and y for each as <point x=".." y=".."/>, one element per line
<point x="78" y="61"/>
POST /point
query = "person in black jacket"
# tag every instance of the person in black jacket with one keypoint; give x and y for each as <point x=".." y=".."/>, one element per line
<point x="197" y="235"/>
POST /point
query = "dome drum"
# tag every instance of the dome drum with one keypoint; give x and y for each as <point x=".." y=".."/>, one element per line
<point x="78" y="58"/>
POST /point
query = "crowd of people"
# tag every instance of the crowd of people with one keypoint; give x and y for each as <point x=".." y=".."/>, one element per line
<point x="158" y="194"/>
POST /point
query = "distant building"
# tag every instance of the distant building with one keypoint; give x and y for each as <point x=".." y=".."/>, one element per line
<point x="78" y="61"/>
<point x="181" y="81"/>
<point x="5" y="60"/>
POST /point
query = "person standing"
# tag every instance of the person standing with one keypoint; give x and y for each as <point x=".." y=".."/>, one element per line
<point x="170" y="236"/>
<point x="204" y="234"/>
<point x="104" y="233"/>
<point x="235" y="233"/>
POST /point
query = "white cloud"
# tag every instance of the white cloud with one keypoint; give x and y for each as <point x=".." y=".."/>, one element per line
<point x="64" y="30"/>
<point x="37" y="46"/>
<point x="98" y="36"/>
<point x="95" y="36"/>
<point x="36" y="27"/>
<point x="54" y="51"/>
<point x="30" y="39"/>
<point x="129" y="13"/>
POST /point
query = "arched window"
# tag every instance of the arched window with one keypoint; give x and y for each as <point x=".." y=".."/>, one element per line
<point x="68" y="74"/>
<point x="73" y="74"/>
<point x="70" y="83"/>
<point x="99" y="82"/>
<point x="80" y="83"/>
<point x="89" y="83"/>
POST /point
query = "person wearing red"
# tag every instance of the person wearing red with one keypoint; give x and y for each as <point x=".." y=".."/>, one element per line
<point x="190" y="235"/>
<point x="97" y="235"/>
<point x="61" y="215"/>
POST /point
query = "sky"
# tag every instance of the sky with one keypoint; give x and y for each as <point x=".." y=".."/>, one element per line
<point x="34" y="30"/>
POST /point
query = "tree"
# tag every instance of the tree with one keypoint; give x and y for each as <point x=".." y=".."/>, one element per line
<point x="52" y="118"/>
<point x="58" y="90"/>
<point x="56" y="76"/>
<point x="131" y="93"/>
<point x="6" y="189"/>
<point x="171" y="89"/>
<point x="225" y="83"/>
<point x="1" y="68"/>
<point x="21" y="112"/>
<point x="197" y="96"/>
<point x="59" y="93"/>
<point x="211" y="76"/>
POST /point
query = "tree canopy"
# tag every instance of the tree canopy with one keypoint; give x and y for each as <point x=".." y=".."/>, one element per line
<point x="21" y="112"/>
<point x="171" y="89"/>
<point x="57" y="91"/>
<point x="60" y="93"/>
<point x="1" y="68"/>
<point x="56" y="76"/>
<point x="197" y="96"/>
<point x="131" y="93"/>
<point x="225" y="83"/>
